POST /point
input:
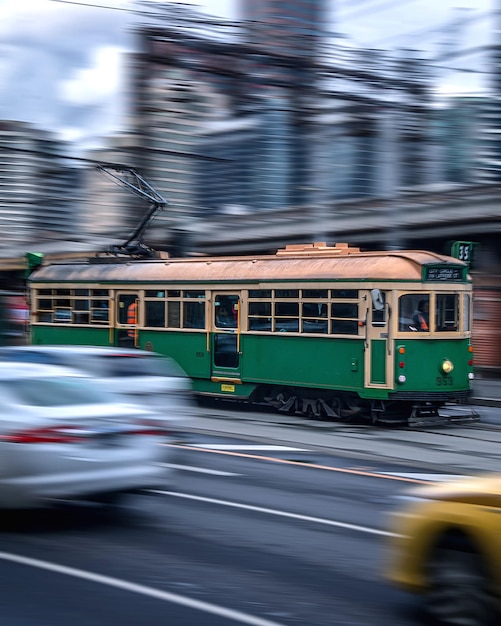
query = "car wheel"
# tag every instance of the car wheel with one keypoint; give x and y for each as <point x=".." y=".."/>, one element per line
<point x="459" y="589"/>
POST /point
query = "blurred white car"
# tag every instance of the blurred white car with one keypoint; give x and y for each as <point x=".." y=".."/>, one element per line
<point x="148" y="378"/>
<point x="64" y="437"/>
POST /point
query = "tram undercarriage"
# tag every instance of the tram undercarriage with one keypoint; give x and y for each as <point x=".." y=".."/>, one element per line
<point x="349" y="407"/>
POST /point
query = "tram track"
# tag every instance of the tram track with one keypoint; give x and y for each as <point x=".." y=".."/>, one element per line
<point x="453" y="433"/>
<point x="259" y="414"/>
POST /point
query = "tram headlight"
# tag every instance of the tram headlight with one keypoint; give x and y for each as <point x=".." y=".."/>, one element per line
<point x="447" y="366"/>
<point x="402" y="378"/>
<point x="471" y="375"/>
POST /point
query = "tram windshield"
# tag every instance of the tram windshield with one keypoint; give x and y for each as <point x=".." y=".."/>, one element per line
<point x="414" y="312"/>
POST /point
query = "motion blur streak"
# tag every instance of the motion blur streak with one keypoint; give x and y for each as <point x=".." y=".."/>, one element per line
<point x="341" y="470"/>
<point x="260" y="509"/>
<point x="125" y="585"/>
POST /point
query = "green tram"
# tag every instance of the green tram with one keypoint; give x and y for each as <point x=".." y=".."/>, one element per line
<point x="329" y="332"/>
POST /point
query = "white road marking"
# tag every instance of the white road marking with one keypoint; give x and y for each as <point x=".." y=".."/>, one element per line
<point x="260" y="509"/>
<point x="125" y="585"/>
<point x="201" y="470"/>
<point x="429" y="477"/>
<point x="253" y="447"/>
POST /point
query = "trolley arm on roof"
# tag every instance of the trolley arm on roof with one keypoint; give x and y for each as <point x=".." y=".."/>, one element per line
<point x="127" y="177"/>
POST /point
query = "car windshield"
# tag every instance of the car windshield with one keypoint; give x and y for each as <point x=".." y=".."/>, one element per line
<point x="140" y="365"/>
<point x="61" y="391"/>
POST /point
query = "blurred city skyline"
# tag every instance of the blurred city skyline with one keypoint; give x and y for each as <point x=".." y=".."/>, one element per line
<point x="63" y="61"/>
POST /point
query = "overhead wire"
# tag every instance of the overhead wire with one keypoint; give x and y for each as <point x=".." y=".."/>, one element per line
<point x="428" y="31"/>
<point x="377" y="7"/>
<point x="95" y="6"/>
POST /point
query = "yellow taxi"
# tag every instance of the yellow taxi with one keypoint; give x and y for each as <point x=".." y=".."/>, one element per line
<point x="447" y="548"/>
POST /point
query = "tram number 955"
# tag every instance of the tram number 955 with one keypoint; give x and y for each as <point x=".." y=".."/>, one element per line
<point x="443" y="381"/>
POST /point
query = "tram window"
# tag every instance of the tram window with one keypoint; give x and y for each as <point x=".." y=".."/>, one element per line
<point x="260" y="316"/>
<point x="466" y="312"/>
<point x="340" y="322"/>
<point x="286" y="317"/>
<point x="61" y="292"/>
<point x="45" y="292"/>
<point x="62" y="316"/>
<point x="287" y="293"/>
<point x="154" y="313"/>
<point x="259" y="293"/>
<point x="81" y="305"/>
<point x="315" y="293"/>
<point x="226" y="311"/>
<point x="149" y="293"/>
<point x="312" y="309"/>
<point x="96" y="293"/>
<point x="194" y="294"/>
<point x="408" y="308"/>
<point x="174" y="314"/>
<point x="173" y="293"/>
<point x="344" y="309"/>
<point x="45" y="316"/>
<point x="99" y="316"/>
<point x="194" y="314"/>
<point x="287" y="324"/>
<point x="81" y="292"/>
<point x="262" y="324"/>
<point x="260" y="308"/>
<point x="314" y="326"/>
<point x="446" y="312"/>
<point x="99" y="312"/>
<point x="344" y="293"/>
<point x="45" y="305"/>
<point x="286" y="309"/>
<point x="344" y="327"/>
<point x="80" y="318"/>
<point x="311" y="312"/>
<point x="225" y="350"/>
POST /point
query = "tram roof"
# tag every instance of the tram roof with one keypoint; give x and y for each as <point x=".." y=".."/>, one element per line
<point x="300" y="263"/>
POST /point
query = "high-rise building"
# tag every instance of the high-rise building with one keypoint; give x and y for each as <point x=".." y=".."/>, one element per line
<point x="292" y="27"/>
<point x="491" y="115"/>
<point x="109" y="209"/>
<point x="273" y="169"/>
<point x="226" y="180"/>
<point x="460" y="133"/>
<point x="38" y="187"/>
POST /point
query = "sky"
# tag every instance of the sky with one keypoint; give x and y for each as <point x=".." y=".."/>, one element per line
<point x="61" y="63"/>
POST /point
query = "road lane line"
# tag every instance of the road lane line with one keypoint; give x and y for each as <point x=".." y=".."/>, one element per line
<point x="272" y="459"/>
<point x="260" y="509"/>
<point x="427" y="477"/>
<point x="240" y="446"/>
<point x="201" y="470"/>
<point x="125" y="585"/>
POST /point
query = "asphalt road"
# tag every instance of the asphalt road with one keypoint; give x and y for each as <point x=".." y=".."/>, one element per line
<point x="254" y="531"/>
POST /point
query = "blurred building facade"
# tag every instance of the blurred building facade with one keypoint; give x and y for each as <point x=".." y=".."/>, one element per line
<point x="227" y="125"/>
<point x="39" y="186"/>
<point x="294" y="28"/>
<point x="108" y="209"/>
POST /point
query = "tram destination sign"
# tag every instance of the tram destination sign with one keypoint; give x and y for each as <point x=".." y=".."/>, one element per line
<point x="443" y="273"/>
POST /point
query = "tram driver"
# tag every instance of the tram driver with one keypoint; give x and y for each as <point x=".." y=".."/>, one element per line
<point x="224" y="319"/>
<point x="421" y="317"/>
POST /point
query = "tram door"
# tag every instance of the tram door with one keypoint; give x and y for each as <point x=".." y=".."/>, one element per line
<point x="126" y="319"/>
<point x="377" y="340"/>
<point x="226" y="335"/>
